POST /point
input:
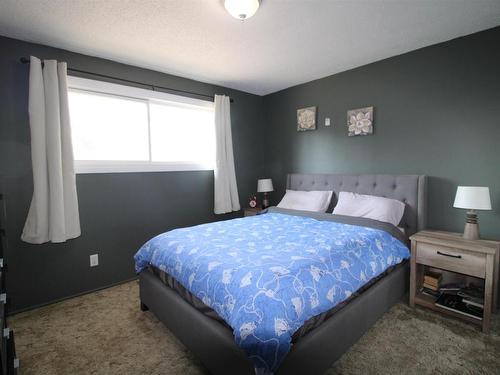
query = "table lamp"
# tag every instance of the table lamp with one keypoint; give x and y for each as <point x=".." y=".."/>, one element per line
<point x="472" y="198"/>
<point x="265" y="186"/>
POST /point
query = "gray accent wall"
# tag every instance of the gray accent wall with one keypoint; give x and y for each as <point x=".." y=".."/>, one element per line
<point x="437" y="112"/>
<point x="118" y="212"/>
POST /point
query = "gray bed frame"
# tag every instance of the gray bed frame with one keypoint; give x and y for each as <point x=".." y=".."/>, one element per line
<point x="314" y="353"/>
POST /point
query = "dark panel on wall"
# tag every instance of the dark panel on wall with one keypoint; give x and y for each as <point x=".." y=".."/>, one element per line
<point x="119" y="212"/>
<point x="437" y="112"/>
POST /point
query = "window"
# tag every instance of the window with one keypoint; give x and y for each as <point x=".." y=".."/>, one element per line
<point x="118" y="128"/>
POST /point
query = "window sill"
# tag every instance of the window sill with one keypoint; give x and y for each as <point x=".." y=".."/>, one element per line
<point x="85" y="167"/>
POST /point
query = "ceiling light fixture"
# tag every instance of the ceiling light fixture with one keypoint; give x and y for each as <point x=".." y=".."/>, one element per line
<point x="241" y="9"/>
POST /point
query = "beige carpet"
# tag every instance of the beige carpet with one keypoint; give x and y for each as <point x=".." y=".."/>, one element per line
<point x="106" y="333"/>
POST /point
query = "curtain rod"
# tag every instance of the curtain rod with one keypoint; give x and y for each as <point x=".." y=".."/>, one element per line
<point x="25" y="60"/>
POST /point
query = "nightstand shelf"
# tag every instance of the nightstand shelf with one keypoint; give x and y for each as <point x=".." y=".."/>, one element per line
<point x="428" y="302"/>
<point x="467" y="259"/>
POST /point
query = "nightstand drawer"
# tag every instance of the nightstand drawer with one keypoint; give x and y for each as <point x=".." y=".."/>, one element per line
<point x="451" y="259"/>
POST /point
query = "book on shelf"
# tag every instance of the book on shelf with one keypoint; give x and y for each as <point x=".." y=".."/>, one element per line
<point x="473" y="303"/>
<point x="455" y="303"/>
<point x="450" y="289"/>
<point x="472" y="292"/>
<point x="433" y="278"/>
<point x="430" y="292"/>
<point x="430" y="286"/>
<point x="472" y="295"/>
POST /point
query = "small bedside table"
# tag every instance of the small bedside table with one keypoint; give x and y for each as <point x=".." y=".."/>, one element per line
<point x="451" y="252"/>
<point x="249" y="211"/>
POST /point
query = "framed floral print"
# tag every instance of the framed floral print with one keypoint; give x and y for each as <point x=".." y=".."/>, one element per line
<point x="306" y="119"/>
<point x="360" y="121"/>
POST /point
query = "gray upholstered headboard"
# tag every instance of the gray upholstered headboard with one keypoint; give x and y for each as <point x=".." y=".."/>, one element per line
<point x="409" y="189"/>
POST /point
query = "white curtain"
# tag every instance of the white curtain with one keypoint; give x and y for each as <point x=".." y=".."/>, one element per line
<point x="226" y="191"/>
<point x="53" y="214"/>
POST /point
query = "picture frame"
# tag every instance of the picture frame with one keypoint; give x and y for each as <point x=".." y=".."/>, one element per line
<point x="360" y="121"/>
<point x="306" y="119"/>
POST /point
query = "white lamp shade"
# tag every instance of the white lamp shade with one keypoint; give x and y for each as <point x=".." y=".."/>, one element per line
<point x="264" y="185"/>
<point x="241" y="9"/>
<point x="473" y="198"/>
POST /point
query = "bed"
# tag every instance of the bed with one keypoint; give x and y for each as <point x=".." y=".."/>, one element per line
<point x="329" y="333"/>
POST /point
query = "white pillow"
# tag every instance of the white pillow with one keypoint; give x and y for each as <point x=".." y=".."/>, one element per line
<point x="317" y="201"/>
<point x="372" y="207"/>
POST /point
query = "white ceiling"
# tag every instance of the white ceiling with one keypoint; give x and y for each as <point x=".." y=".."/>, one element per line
<point x="286" y="43"/>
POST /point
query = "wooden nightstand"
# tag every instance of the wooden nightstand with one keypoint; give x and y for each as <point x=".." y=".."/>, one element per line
<point x="249" y="211"/>
<point x="450" y="252"/>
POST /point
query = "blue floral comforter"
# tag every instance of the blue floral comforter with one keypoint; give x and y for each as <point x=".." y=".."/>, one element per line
<point x="267" y="275"/>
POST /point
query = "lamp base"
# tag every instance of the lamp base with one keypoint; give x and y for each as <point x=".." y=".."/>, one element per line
<point x="471" y="230"/>
<point x="265" y="201"/>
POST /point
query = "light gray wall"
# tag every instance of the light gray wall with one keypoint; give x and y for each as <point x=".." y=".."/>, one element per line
<point x="119" y="212"/>
<point x="437" y="112"/>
